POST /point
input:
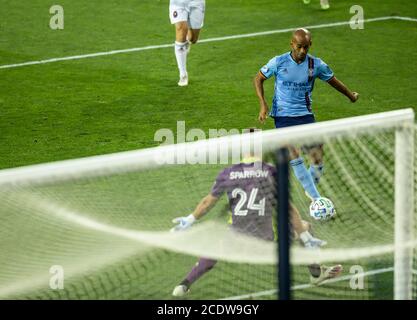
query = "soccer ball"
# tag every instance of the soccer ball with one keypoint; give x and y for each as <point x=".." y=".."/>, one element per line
<point x="322" y="209"/>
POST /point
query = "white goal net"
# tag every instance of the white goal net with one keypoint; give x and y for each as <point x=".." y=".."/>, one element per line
<point x="98" y="228"/>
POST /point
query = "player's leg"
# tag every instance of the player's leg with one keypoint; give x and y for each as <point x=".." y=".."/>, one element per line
<point x="302" y="174"/>
<point x="195" y="21"/>
<point x="181" y="31"/>
<point x="202" y="266"/>
<point x="192" y="38"/>
<point x="302" y="230"/>
<point x="296" y="160"/>
<point x="181" y="51"/>
<point x="316" y="163"/>
<point x="179" y="17"/>
<point x="193" y="35"/>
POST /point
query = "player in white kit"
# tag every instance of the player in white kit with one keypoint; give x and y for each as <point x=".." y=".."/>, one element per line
<point x="188" y="17"/>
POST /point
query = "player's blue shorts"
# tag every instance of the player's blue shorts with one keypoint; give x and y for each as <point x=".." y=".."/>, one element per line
<point x="283" y="122"/>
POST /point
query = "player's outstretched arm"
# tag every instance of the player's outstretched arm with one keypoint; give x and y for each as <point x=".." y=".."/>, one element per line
<point x="302" y="229"/>
<point x="202" y="208"/>
<point x="340" y="86"/>
<point x="259" y="87"/>
<point x="205" y="205"/>
<point x="296" y="221"/>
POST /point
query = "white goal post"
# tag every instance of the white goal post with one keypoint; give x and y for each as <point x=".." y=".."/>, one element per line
<point x="404" y="211"/>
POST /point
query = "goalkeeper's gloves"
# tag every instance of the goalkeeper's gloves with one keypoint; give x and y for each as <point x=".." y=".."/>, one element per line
<point x="183" y="223"/>
<point x="310" y="242"/>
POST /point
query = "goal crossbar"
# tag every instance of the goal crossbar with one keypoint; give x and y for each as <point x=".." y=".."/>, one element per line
<point x="142" y="159"/>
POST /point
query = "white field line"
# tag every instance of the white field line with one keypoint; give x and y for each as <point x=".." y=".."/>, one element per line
<point x="239" y="36"/>
<point x="405" y="18"/>
<point x="306" y="286"/>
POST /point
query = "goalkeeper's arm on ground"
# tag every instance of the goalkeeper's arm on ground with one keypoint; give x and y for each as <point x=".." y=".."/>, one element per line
<point x="302" y="229"/>
<point x="202" y="208"/>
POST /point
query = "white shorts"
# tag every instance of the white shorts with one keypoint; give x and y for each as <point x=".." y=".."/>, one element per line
<point x="191" y="11"/>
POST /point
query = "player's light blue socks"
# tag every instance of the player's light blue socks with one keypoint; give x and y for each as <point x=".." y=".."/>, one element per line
<point x="304" y="177"/>
<point x="316" y="172"/>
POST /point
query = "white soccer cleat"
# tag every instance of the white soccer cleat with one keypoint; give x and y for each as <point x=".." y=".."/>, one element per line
<point x="183" y="81"/>
<point x="327" y="273"/>
<point x="180" y="291"/>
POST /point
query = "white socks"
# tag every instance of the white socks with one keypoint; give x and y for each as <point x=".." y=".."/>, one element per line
<point x="181" y="55"/>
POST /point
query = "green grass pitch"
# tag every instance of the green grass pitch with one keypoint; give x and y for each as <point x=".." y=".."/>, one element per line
<point x="100" y="105"/>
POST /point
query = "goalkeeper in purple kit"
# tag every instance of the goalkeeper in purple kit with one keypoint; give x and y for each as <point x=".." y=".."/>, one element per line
<point x="250" y="188"/>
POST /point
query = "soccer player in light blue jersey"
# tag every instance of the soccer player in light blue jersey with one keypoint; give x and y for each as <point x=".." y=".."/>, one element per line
<point x="295" y="73"/>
